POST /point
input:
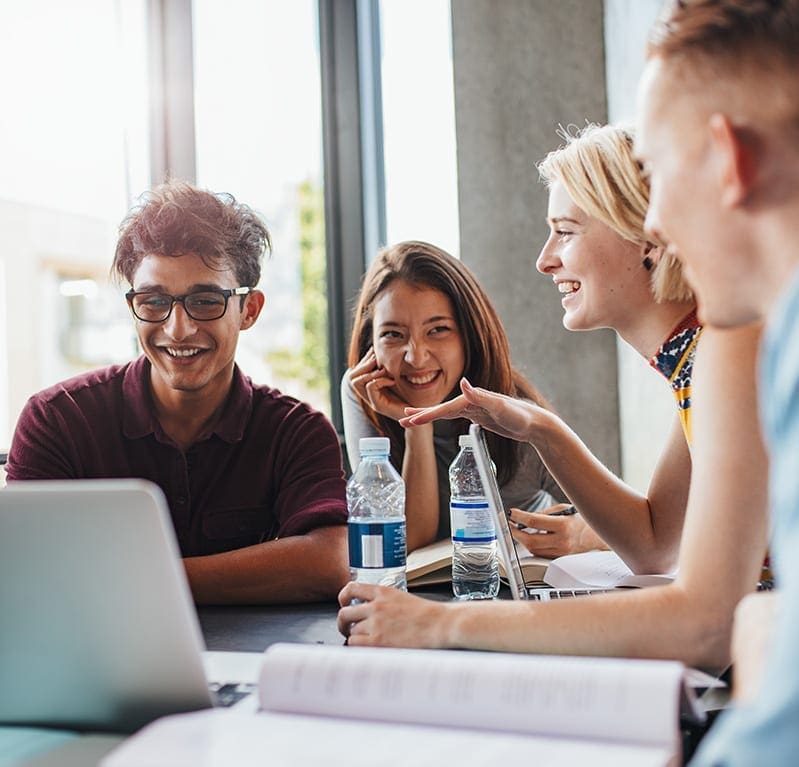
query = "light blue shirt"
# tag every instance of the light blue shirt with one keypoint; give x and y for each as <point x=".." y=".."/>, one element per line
<point x="766" y="732"/>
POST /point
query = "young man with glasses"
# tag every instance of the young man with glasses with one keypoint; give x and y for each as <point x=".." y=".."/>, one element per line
<point x="253" y="477"/>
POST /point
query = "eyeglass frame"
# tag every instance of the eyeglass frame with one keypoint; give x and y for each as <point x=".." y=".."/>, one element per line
<point x="227" y="293"/>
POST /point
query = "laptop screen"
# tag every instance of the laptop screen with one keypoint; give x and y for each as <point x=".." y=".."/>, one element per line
<point x="99" y="630"/>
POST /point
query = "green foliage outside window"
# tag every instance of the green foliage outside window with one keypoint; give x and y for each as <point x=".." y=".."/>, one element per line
<point x="309" y="365"/>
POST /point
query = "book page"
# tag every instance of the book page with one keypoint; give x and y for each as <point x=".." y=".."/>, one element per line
<point x="220" y="738"/>
<point x="597" y="698"/>
<point x="434" y="560"/>
<point x="603" y="569"/>
<point x="433" y="564"/>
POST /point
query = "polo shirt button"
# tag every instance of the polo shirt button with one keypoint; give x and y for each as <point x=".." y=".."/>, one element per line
<point x="181" y="500"/>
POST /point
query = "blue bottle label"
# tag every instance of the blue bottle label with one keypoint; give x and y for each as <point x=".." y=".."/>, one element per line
<point x="377" y="544"/>
<point x="471" y="522"/>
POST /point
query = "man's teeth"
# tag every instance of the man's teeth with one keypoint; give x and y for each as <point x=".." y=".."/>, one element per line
<point x="181" y="352"/>
<point x="568" y="287"/>
<point x="419" y="380"/>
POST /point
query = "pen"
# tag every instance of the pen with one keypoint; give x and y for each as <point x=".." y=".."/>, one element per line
<point x="567" y="512"/>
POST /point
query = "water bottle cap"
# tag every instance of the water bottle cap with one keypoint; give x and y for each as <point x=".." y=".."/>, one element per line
<point x="374" y="446"/>
<point x="465" y="440"/>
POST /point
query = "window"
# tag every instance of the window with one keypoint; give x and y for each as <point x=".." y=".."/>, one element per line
<point x="259" y="136"/>
<point x="77" y="154"/>
<point x="73" y="148"/>
<point x="419" y="122"/>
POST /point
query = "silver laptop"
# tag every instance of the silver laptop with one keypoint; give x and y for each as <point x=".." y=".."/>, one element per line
<point x="505" y="543"/>
<point x="97" y="625"/>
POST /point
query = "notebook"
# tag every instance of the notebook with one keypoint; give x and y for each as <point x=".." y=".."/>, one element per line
<point x="99" y="629"/>
<point x="505" y="544"/>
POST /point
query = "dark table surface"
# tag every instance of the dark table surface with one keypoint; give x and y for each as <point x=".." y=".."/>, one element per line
<point x="252" y="628"/>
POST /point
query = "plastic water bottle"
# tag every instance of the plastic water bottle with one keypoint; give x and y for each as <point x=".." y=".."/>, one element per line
<point x="376" y="517"/>
<point x="475" y="573"/>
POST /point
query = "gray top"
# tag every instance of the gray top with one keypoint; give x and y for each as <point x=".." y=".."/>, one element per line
<point x="532" y="488"/>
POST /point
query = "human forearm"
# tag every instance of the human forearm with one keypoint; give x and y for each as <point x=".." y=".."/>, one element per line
<point x="420" y="472"/>
<point x="619" y="515"/>
<point x="301" y="568"/>
<point x="659" y="622"/>
<point x="753" y="636"/>
<point x="624" y="518"/>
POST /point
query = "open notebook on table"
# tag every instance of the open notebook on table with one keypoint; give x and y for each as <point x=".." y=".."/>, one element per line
<point x="99" y="628"/>
<point x="433" y="564"/>
<point x="367" y="706"/>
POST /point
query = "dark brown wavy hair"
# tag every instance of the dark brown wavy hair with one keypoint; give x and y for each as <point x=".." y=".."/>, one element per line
<point x="486" y="348"/>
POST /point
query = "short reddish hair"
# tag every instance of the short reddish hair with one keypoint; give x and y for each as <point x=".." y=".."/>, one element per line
<point x="728" y="34"/>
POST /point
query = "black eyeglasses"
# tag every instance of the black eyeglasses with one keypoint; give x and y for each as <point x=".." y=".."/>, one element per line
<point x="203" y="305"/>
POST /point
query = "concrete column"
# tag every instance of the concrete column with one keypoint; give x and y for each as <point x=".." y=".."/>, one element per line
<point x="521" y="68"/>
<point x="647" y="405"/>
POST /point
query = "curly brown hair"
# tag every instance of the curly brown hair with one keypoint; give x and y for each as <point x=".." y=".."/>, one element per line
<point x="176" y="218"/>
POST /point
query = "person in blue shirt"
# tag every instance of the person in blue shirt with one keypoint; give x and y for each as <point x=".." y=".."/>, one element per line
<point x="724" y="168"/>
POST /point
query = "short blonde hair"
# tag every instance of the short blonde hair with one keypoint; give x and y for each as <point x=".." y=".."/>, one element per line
<point x="597" y="168"/>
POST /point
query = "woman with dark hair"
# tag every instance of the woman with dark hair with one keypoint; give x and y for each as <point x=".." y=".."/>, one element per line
<point x="421" y="324"/>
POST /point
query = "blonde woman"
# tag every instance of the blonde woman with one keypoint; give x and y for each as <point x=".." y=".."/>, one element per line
<point x="609" y="276"/>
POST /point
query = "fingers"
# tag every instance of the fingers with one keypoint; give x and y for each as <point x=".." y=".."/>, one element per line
<point x="539" y="545"/>
<point x="351" y="614"/>
<point x="367" y="371"/>
<point x="365" y="592"/>
<point x="462" y="406"/>
<point x="540" y="521"/>
<point x="454" y="408"/>
<point x="379" y="380"/>
<point x="478" y="405"/>
<point x="362" y="382"/>
<point x="365" y="364"/>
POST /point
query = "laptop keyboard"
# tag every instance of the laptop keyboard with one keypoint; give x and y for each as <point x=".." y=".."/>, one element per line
<point x="543" y="595"/>
<point x="225" y="695"/>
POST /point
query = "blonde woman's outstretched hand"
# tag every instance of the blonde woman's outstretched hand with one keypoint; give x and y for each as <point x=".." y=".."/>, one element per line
<point x="507" y="416"/>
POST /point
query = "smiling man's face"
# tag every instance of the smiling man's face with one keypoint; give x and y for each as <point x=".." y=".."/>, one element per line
<point x="189" y="355"/>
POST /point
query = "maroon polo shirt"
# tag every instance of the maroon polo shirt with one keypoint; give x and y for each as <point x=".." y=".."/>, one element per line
<point x="271" y="467"/>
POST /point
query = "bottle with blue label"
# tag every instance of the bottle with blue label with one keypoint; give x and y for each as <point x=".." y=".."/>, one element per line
<point x="376" y="517"/>
<point x="475" y="571"/>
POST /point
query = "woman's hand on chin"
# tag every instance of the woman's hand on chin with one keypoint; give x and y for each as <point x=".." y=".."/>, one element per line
<point x="372" y="383"/>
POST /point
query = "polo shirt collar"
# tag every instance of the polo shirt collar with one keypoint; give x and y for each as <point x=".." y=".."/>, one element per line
<point x="139" y="417"/>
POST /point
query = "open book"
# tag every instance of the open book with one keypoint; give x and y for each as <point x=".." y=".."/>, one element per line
<point x="370" y="706"/>
<point x="433" y="564"/>
<point x="597" y="569"/>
